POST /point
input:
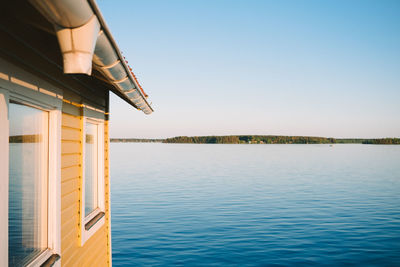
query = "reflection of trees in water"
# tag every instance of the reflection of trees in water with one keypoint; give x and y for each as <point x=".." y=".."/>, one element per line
<point x="27" y="138"/>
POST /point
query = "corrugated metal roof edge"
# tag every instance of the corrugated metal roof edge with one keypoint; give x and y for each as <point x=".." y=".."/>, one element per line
<point x="106" y="30"/>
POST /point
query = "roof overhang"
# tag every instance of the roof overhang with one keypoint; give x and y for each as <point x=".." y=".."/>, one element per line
<point x="86" y="41"/>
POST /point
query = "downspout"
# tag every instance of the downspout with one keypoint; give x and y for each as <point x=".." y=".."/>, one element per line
<point x="77" y="46"/>
<point x="76" y="27"/>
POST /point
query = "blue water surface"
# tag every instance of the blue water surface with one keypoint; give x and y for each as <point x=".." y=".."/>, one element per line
<point x="255" y="205"/>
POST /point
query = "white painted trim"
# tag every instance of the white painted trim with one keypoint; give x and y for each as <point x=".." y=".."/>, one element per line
<point x="39" y="260"/>
<point x="100" y="171"/>
<point x="54" y="185"/>
<point x="91" y="215"/>
<point x="95" y="227"/>
<point x="4" y="137"/>
<point x="107" y="173"/>
<point x="86" y="234"/>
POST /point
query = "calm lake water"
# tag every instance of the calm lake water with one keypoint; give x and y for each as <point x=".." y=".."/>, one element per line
<point x="255" y="205"/>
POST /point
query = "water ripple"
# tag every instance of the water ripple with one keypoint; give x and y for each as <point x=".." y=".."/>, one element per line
<point x="255" y="205"/>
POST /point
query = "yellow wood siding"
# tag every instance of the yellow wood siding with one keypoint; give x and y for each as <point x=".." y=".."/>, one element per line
<point x="96" y="251"/>
<point x="107" y="190"/>
<point x="25" y="69"/>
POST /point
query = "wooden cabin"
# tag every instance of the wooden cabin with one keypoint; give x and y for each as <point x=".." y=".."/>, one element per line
<point x="58" y="64"/>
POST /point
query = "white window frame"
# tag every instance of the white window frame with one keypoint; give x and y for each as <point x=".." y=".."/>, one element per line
<point x="93" y="117"/>
<point x="53" y="105"/>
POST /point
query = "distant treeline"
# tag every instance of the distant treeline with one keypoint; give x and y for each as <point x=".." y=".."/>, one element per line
<point x="275" y="139"/>
<point x="250" y="139"/>
<point x="259" y="139"/>
<point x="135" y="140"/>
<point x="383" y="141"/>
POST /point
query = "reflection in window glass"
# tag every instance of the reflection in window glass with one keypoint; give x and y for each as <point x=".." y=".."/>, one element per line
<point x="28" y="165"/>
<point x="90" y="168"/>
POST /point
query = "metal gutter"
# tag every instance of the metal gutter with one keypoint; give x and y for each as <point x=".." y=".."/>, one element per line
<point x="85" y="41"/>
<point x="106" y="30"/>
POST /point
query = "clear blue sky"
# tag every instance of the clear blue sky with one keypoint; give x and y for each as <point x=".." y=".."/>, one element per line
<point x="319" y="68"/>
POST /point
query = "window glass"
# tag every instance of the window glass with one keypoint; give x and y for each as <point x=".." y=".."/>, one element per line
<point x="90" y="168"/>
<point x="28" y="174"/>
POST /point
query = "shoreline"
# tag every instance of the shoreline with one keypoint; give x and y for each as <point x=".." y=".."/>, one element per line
<point x="259" y="139"/>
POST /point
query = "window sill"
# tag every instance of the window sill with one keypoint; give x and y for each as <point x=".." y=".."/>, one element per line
<point x="50" y="261"/>
<point x="92" y="224"/>
<point x="47" y="259"/>
<point x="94" y="220"/>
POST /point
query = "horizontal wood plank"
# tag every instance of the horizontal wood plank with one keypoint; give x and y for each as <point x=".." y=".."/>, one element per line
<point x="70" y="160"/>
<point x="70" y="134"/>
<point x="70" y="172"/>
<point x="70" y="224"/>
<point x="69" y="186"/>
<point x="70" y="147"/>
<point x="71" y="121"/>
<point x="71" y="236"/>
<point x="94" y="245"/>
<point x="69" y="249"/>
<point x="69" y="213"/>
<point x="102" y="260"/>
<point x="98" y="252"/>
<point x="71" y="199"/>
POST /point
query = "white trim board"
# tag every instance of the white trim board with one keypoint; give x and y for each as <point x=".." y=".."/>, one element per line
<point x="4" y="137"/>
<point x="86" y="234"/>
